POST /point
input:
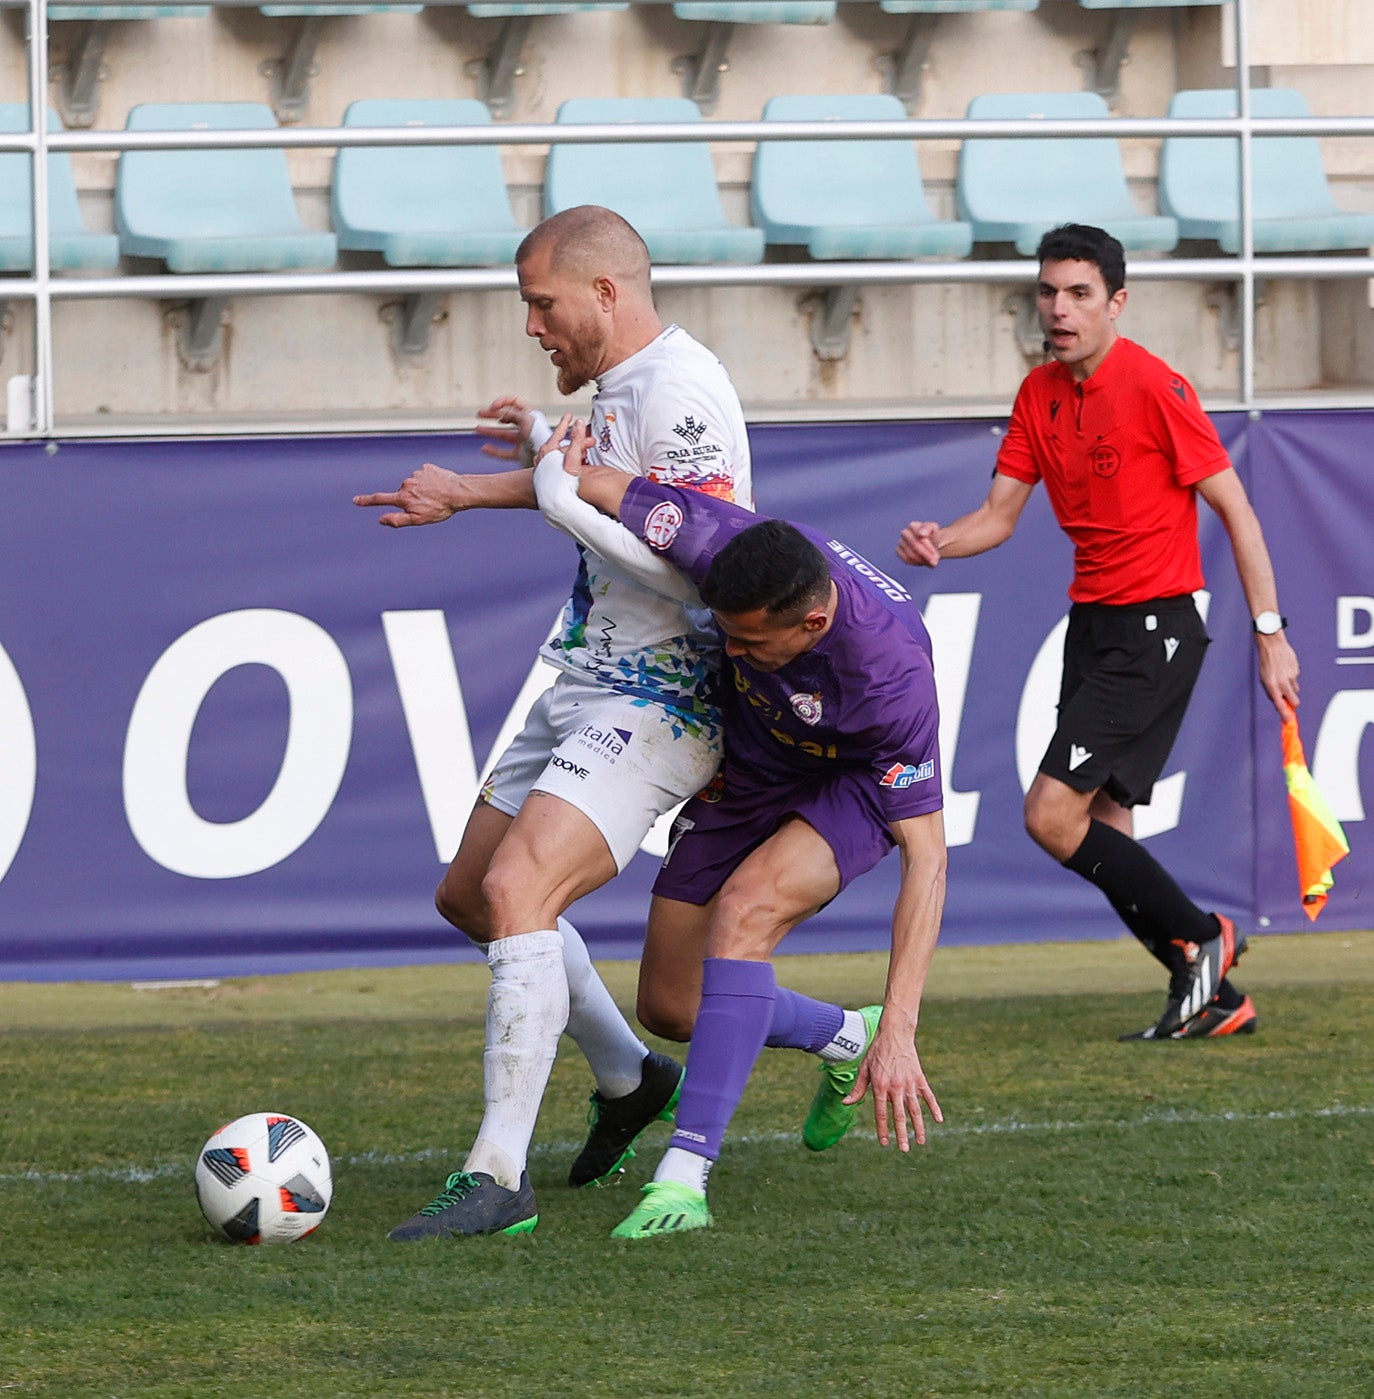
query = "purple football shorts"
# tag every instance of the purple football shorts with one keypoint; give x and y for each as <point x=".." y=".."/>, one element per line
<point x="719" y="827"/>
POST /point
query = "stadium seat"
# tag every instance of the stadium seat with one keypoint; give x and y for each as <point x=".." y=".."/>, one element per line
<point x="1293" y="207"/>
<point x="907" y="66"/>
<point x="64" y="12"/>
<point x="289" y="75"/>
<point x="71" y="245"/>
<point x="497" y="71"/>
<point x="1146" y="4"/>
<point x="950" y="7"/>
<point x="1106" y="60"/>
<point x="326" y="11"/>
<point x="758" y="11"/>
<point x="666" y="190"/>
<point x="553" y="7"/>
<point x="212" y="211"/>
<point x="701" y="71"/>
<point x="1013" y="190"/>
<point x="848" y="199"/>
<point x="87" y="30"/>
<point x="424" y="206"/>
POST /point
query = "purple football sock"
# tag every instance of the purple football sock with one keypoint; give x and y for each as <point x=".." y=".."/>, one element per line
<point x="736" y="1010"/>
<point x="802" y="1023"/>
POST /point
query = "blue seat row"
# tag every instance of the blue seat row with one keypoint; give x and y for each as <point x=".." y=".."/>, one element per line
<point x="436" y="206"/>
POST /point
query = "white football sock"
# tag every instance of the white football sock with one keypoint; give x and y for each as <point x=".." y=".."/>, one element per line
<point x="853" y="1031"/>
<point x="684" y="1167"/>
<point x="527" y="1008"/>
<point x="615" y="1053"/>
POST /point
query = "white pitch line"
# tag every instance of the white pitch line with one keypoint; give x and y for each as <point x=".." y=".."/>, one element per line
<point x="1169" y="1117"/>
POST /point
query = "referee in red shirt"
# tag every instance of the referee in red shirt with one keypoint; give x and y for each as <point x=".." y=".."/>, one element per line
<point x="1124" y="450"/>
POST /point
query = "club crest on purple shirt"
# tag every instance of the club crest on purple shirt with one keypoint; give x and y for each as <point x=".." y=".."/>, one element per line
<point x="806" y="707"/>
<point x="662" y="524"/>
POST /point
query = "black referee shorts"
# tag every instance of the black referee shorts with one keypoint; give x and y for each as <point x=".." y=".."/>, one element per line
<point x="1128" y="674"/>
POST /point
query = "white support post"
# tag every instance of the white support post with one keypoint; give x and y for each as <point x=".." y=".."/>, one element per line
<point x="38" y="173"/>
<point x="1247" y="213"/>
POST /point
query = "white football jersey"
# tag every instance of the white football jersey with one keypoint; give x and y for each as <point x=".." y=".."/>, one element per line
<point x="669" y="413"/>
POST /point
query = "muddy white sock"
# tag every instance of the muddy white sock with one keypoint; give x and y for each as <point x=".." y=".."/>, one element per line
<point x="527" y="1008"/>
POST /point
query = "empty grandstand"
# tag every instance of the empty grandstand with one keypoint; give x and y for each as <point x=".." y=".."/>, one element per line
<point x="871" y="326"/>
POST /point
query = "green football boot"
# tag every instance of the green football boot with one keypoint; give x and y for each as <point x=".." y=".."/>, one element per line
<point x="830" y="1116"/>
<point x="667" y="1208"/>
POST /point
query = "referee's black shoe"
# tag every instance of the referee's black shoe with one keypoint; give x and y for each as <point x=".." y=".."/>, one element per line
<point x="1193" y="990"/>
<point x="1208" y="969"/>
<point x="1212" y="1022"/>
<point x="616" y="1122"/>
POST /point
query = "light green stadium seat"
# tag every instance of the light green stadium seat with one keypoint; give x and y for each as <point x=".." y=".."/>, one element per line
<point x="848" y="198"/>
<point x="71" y="245"/>
<point x="424" y="206"/>
<point x="1294" y="210"/>
<point x="1014" y="190"/>
<point x="667" y="190"/>
<point x="520" y="11"/>
<point x="758" y="11"/>
<point x="61" y="12"/>
<point x="952" y="7"/>
<point x="1146" y="4"/>
<point x="212" y="211"/>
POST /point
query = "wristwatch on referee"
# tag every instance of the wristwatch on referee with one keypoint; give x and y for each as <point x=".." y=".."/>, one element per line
<point x="1267" y="623"/>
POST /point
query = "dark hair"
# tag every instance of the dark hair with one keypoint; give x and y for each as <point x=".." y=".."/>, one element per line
<point x="1081" y="242"/>
<point x="769" y="565"/>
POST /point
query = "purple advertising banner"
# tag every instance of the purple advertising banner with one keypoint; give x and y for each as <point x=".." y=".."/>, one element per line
<point x="241" y="725"/>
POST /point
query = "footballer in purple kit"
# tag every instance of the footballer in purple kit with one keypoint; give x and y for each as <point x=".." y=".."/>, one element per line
<point x="831" y="726"/>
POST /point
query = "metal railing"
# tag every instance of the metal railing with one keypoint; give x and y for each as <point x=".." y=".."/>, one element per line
<point x="42" y="289"/>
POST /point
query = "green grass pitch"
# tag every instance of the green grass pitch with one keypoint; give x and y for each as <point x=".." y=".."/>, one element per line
<point x="1094" y="1218"/>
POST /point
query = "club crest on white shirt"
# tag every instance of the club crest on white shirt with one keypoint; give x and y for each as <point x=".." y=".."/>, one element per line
<point x="806" y="707"/>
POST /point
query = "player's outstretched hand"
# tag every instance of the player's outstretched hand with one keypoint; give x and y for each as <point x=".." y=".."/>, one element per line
<point x="428" y="495"/>
<point x="517" y="419"/>
<point x="893" y="1071"/>
<point x="917" y="544"/>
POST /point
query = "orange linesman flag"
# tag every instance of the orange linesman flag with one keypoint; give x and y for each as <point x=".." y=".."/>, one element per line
<point x="1317" y="834"/>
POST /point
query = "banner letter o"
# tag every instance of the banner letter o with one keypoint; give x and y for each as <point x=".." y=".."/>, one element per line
<point x="319" y="736"/>
<point x="18" y="763"/>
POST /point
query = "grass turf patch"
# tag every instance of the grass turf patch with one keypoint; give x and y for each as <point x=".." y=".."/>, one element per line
<point x="1094" y="1217"/>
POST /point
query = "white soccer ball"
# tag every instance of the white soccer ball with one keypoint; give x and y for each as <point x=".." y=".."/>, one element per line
<point x="264" y="1179"/>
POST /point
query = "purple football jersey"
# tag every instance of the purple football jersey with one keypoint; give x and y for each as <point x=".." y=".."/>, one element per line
<point x="862" y="698"/>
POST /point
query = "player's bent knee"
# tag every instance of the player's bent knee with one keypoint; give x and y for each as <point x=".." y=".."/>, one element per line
<point x="1049" y="829"/>
<point x="464" y="908"/>
<point x="664" y="1017"/>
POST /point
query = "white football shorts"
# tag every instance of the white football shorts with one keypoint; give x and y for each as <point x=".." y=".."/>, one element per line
<point x="621" y="762"/>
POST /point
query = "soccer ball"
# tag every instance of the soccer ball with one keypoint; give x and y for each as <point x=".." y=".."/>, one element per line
<point x="264" y="1179"/>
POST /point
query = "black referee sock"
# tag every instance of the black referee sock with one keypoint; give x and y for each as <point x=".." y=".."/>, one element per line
<point x="1141" y="890"/>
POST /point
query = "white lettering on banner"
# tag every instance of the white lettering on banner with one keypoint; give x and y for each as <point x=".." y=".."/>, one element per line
<point x="1336" y="755"/>
<point x="436" y="720"/>
<point x="952" y="621"/>
<point x="1035" y="724"/>
<point x="1349" y="611"/>
<point x="319" y="736"/>
<point x="18" y="762"/>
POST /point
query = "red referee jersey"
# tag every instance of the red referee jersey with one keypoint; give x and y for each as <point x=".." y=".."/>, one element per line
<point x="1120" y="455"/>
